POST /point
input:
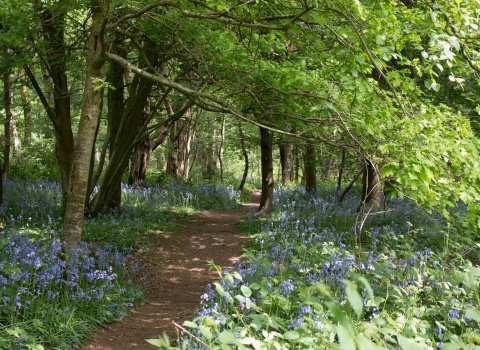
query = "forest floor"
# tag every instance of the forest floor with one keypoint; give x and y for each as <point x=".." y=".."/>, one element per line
<point x="177" y="274"/>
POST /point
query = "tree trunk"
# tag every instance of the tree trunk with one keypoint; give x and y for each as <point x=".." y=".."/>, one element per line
<point x="116" y="109"/>
<point x="245" y="156"/>
<point x="266" y="149"/>
<point x="184" y="141"/>
<point x="177" y="161"/>
<point x="48" y="88"/>
<point x="209" y="153"/>
<point x="287" y="160"/>
<point x="297" y="163"/>
<point x="141" y="153"/>
<point x="220" y="151"/>
<point x="310" y="167"/>
<point x="89" y="119"/>
<point x="9" y="116"/>
<point x="53" y="24"/>
<point x="124" y="140"/>
<point x="330" y="161"/>
<point x="340" y="170"/>
<point x="371" y="189"/>
<point x="172" y="157"/>
<point x="27" y="111"/>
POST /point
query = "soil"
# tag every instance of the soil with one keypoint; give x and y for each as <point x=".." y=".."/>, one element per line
<point x="177" y="274"/>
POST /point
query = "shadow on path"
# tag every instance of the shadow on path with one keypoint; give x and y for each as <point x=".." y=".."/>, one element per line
<point x="177" y="274"/>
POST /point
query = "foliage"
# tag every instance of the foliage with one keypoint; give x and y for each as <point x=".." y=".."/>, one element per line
<point x="54" y="301"/>
<point x="50" y="300"/>
<point x="322" y="275"/>
<point x="36" y="161"/>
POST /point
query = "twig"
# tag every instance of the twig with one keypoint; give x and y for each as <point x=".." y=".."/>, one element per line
<point x="178" y="337"/>
<point x="190" y="334"/>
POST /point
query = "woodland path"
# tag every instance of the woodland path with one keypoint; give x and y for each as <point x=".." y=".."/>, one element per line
<point x="177" y="274"/>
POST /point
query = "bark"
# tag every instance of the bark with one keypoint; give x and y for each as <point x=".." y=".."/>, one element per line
<point x="215" y="151"/>
<point x="245" y="156"/>
<point x="141" y="153"/>
<point x="220" y="152"/>
<point x="371" y="189"/>
<point x="340" y="170"/>
<point x="9" y="116"/>
<point x="54" y="65"/>
<point x="27" y="112"/>
<point x="89" y="119"/>
<point x="297" y="163"/>
<point x="172" y="157"/>
<point x="116" y="109"/>
<point x="47" y="85"/>
<point x="184" y="144"/>
<point x="209" y="153"/>
<point x="266" y="150"/>
<point x="287" y="160"/>
<point x="124" y="140"/>
<point x="91" y="177"/>
<point x="48" y="91"/>
<point x="177" y="161"/>
<point x="145" y="148"/>
<point x="310" y="167"/>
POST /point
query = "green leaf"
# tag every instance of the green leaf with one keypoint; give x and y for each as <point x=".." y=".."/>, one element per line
<point x="190" y="324"/>
<point x="354" y="298"/>
<point x="291" y="335"/>
<point x="206" y="332"/>
<point x="255" y="286"/>
<point x="451" y="346"/>
<point x="246" y="291"/>
<point x="473" y="313"/>
<point x="367" y="286"/>
<point x="366" y="344"/>
<point x="226" y="337"/>
<point x="219" y="289"/>
<point x="156" y="342"/>
<point x="237" y="275"/>
<point x="346" y="340"/>
<point x="340" y="316"/>
<point x="161" y="342"/>
<point x="408" y="344"/>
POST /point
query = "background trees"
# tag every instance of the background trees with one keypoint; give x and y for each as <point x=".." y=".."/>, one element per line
<point x="364" y="79"/>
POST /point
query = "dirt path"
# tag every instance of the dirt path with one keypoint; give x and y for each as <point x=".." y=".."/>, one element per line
<point x="177" y="274"/>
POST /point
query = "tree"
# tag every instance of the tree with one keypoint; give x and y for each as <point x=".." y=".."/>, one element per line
<point x="89" y="119"/>
<point x="310" y="167"/>
<point x="9" y="119"/>
<point x="266" y="147"/>
<point x="342" y="73"/>
<point x="371" y="187"/>
<point x="287" y="159"/>
<point x="245" y="157"/>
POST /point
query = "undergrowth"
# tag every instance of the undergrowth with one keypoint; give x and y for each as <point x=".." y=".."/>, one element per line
<point x="52" y="301"/>
<point x="324" y="275"/>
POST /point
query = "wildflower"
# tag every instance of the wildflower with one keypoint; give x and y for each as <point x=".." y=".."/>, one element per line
<point x="286" y="287"/>
<point x="453" y="314"/>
